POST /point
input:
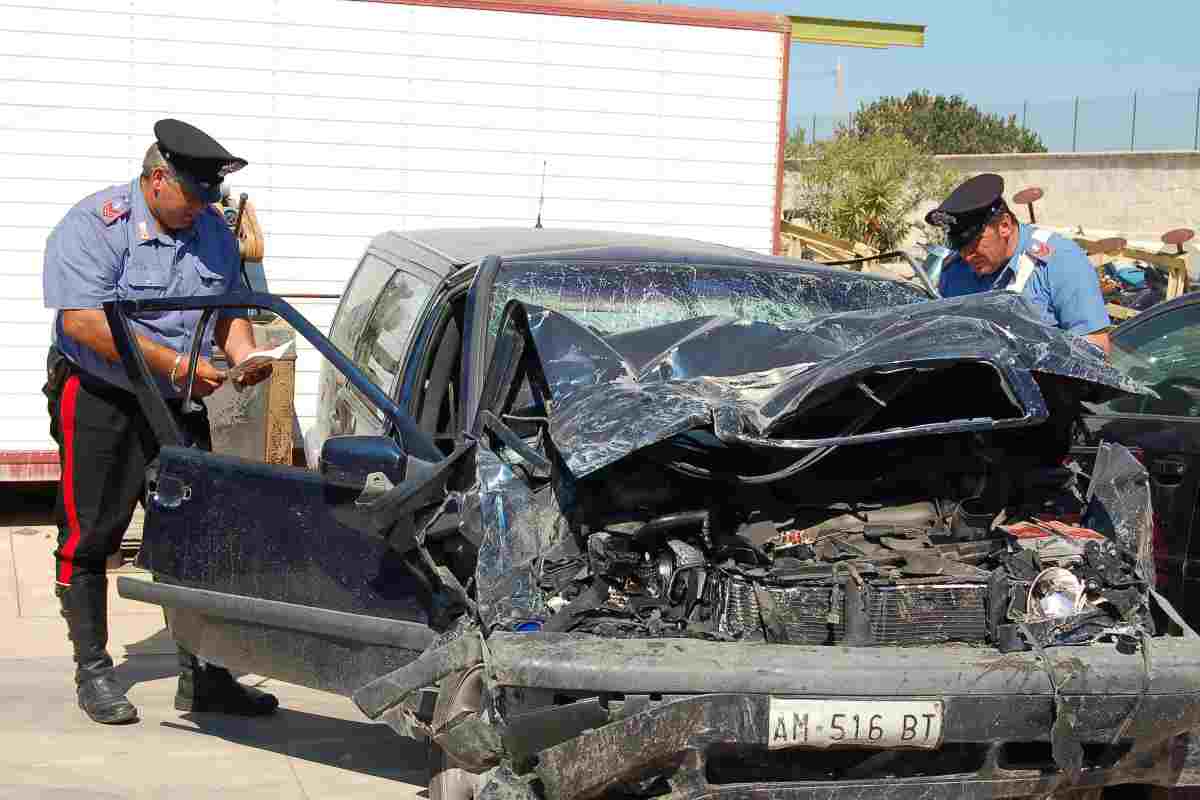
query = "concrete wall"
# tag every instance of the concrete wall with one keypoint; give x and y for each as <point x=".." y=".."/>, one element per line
<point x="1137" y="195"/>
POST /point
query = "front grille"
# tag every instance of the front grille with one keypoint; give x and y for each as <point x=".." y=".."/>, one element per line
<point x="927" y="613"/>
<point x="803" y="609"/>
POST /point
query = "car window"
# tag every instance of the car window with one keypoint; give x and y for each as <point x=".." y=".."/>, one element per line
<point x="616" y="298"/>
<point x="359" y="300"/>
<point x="380" y="348"/>
<point x="1163" y="352"/>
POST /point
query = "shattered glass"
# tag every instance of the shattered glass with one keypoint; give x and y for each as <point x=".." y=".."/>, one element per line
<point x="609" y="298"/>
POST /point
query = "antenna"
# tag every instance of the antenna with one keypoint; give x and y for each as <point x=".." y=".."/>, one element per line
<point x="542" y="198"/>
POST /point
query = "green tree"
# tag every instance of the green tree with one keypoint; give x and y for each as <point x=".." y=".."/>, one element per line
<point x="795" y="146"/>
<point x="944" y="125"/>
<point x="868" y="188"/>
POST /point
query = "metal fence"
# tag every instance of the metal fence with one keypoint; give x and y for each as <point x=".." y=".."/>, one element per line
<point x="1139" y="121"/>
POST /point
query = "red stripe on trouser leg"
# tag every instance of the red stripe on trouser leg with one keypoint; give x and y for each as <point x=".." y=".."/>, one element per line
<point x="66" y="416"/>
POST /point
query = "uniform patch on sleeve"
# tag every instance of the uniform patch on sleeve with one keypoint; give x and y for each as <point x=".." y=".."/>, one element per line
<point x="113" y="210"/>
<point x="1040" y="250"/>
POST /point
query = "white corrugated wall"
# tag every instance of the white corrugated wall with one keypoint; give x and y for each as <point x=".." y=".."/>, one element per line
<point x="360" y="117"/>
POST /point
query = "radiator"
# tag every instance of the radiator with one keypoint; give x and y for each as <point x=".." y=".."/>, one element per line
<point x="803" y="609"/>
<point x="927" y="613"/>
<point x="881" y="614"/>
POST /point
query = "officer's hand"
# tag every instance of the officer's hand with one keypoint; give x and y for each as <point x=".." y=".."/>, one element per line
<point x="252" y="376"/>
<point x="208" y="379"/>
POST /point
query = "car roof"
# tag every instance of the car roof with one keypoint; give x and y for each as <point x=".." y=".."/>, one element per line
<point x="461" y="246"/>
<point x="444" y="250"/>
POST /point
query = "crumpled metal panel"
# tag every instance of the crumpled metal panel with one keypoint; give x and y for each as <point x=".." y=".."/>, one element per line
<point x="611" y="396"/>
<point x="518" y="527"/>
<point x="748" y="380"/>
<point x="1120" y="505"/>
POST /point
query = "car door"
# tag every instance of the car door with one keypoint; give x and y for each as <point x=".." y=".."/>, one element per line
<point x="285" y="571"/>
<point x="1161" y="347"/>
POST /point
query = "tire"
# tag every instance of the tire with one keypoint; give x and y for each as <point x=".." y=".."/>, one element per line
<point x="458" y="693"/>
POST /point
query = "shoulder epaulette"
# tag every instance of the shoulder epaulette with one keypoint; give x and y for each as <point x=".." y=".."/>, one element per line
<point x="1042" y="251"/>
<point x="113" y="209"/>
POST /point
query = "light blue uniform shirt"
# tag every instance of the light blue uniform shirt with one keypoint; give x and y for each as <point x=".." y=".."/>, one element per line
<point x="109" y="247"/>
<point x="1063" y="287"/>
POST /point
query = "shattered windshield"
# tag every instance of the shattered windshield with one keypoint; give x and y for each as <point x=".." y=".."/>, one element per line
<point x="616" y="297"/>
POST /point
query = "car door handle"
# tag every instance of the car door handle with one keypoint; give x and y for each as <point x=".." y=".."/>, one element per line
<point x="169" y="492"/>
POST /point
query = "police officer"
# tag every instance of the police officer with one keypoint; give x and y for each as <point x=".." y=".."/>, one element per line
<point x="157" y="236"/>
<point x="995" y="252"/>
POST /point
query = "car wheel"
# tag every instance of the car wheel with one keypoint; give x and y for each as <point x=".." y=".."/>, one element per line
<point x="459" y="693"/>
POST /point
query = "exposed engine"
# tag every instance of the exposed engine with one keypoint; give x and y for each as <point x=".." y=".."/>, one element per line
<point x="923" y="573"/>
<point x="812" y="483"/>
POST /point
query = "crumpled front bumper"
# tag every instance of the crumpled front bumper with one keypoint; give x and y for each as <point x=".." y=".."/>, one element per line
<point x="690" y="706"/>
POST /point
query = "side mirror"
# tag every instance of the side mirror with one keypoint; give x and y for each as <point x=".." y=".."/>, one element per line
<point x="346" y="461"/>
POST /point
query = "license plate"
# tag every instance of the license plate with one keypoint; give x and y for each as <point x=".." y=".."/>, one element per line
<point x="854" y="723"/>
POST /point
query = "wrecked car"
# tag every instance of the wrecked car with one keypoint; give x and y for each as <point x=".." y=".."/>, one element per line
<point x="637" y="519"/>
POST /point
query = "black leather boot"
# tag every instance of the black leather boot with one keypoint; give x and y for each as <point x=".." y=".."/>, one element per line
<point x="207" y="687"/>
<point x="85" y="608"/>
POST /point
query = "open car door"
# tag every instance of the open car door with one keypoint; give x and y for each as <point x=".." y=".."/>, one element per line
<point x="277" y="570"/>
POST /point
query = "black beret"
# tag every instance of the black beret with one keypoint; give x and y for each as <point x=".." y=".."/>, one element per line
<point x="969" y="208"/>
<point x="199" y="160"/>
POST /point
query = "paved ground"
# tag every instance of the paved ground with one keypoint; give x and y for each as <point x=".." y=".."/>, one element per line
<point x="317" y="747"/>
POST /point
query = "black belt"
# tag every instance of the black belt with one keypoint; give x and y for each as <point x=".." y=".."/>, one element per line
<point x="103" y="388"/>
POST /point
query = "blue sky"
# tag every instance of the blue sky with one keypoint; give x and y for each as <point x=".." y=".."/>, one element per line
<point x="1000" y="53"/>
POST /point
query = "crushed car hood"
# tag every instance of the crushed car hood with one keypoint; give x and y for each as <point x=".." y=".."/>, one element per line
<point x="747" y="387"/>
<point x="749" y="382"/>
